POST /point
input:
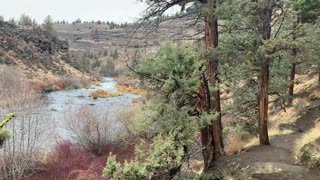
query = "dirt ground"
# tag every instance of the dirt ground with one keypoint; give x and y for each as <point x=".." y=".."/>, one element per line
<point x="277" y="161"/>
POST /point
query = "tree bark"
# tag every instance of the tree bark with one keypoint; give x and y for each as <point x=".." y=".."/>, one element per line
<point x="212" y="141"/>
<point x="265" y="30"/>
<point x="207" y="147"/>
<point x="293" y="69"/>
<point x="211" y="38"/>
<point x="212" y="73"/>
<point x="292" y="79"/>
<point x="263" y="103"/>
<point x="319" y="73"/>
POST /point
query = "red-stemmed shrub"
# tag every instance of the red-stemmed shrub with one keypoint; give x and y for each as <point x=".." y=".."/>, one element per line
<point x="68" y="161"/>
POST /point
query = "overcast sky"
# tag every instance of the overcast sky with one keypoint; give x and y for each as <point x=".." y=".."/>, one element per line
<point x="70" y="10"/>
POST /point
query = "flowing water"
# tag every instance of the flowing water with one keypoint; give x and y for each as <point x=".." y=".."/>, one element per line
<point x="62" y="103"/>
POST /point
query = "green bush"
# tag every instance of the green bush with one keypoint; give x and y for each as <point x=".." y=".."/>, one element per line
<point x="160" y="159"/>
<point x="173" y="78"/>
<point x="25" y="20"/>
<point x="5" y="133"/>
<point x="310" y="153"/>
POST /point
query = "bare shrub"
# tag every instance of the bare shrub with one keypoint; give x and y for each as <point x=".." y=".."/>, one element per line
<point x="20" y="154"/>
<point x="68" y="161"/>
<point x="82" y="175"/>
<point x="137" y="123"/>
<point x="13" y="88"/>
<point x="90" y="129"/>
<point x="235" y="143"/>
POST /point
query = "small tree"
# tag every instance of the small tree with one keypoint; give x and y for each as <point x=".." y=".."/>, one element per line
<point x="78" y="21"/>
<point x="12" y="21"/>
<point x="115" y="54"/>
<point x="25" y="20"/>
<point x="34" y="24"/>
<point x="105" y="53"/>
<point x="108" y="69"/>
<point x="135" y="58"/>
<point x="48" y="24"/>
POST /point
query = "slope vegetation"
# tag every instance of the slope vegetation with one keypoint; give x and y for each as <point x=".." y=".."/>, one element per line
<point x="39" y="54"/>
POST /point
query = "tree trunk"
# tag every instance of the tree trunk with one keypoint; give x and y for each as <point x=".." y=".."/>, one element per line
<point x="265" y="30"/>
<point x="293" y="69"/>
<point x="263" y="104"/>
<point x="292" y="79"/>
<point x="319" y="73"/>
<point x="207" y="146"/>
<point x="204" y="105"/>
<point x="212" y="141"/>
<point x="212" y="73"/>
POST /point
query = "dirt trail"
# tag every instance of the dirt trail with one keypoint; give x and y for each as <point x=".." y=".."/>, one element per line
<point x="275" y="162"/>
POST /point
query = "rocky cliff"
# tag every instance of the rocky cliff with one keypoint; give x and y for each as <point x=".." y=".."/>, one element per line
<point x="38" y="53"/>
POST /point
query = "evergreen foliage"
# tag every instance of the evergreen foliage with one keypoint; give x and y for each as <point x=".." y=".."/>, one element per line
<point x="25" y="20"/>
<point x="154" y="162"/>
<point x="173" y="78"/>
<point x="108" y="69"/>
<point x="5" y="133"/>
<point x="308" y="10"/>
<point x="288" y="44"/>
<point x="48" y="24"/>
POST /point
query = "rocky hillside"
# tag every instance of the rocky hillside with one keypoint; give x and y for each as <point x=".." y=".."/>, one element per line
<point x="99" y="36"/>
<point x="127" y="41"/>
<point x="38" y="53"/>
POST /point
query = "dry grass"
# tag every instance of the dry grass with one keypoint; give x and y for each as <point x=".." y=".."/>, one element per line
<point x="131" y="89"/>
<point x="272" y="132"/>
<point x="305" y="83"/>
<point x="82" y="175"/>
<point x="307" y="138"/>
<point x="235" y="143"/>
<point x="96" y="83"/>
<point x="315" y="94"/>
<point x="196" y="166"/>
<point x="121" y="90"/>
<point x="136" y="100"/>
<point x="64" y="83"/>
<point x="103" y="94"/>
<point x="290" y="116"/>
<point x="276" y="131"/>
<point x="283" y="117"/>
<point x="253" y="142"/>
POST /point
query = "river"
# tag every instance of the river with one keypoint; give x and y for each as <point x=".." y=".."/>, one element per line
<point x="63" y="103"/>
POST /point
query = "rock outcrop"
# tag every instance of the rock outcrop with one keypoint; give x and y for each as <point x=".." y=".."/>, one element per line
<point x="40" y="54"/>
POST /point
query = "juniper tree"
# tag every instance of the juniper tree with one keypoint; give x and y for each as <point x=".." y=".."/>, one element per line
<point x="12" y="21"/>
<point x="210" y="100"/>
<point x="259" y="47"/>
<point x="48" y="24"/>
<point x="25" y="20"/>
<point x="34" y="24"/>
<point x="258" y="21"/>
<point x="173" y="79"/>
<point x="108" y="69"/>
<point x="115" y="54"/>
<point x="307" y="11"/>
